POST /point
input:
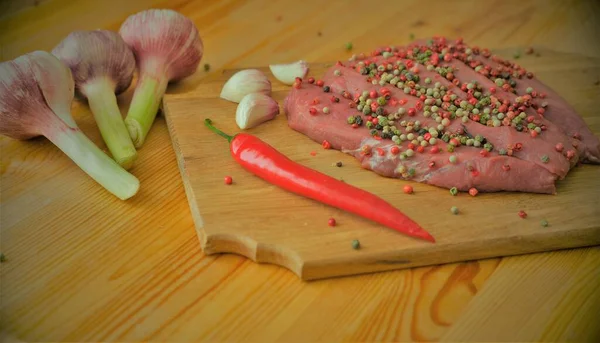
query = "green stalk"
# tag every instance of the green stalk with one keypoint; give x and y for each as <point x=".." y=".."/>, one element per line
<point x="144" y="106"/>
<point x="210" y="125"/>
<point x="98" y="165"/>
<point x="103" y="102"/>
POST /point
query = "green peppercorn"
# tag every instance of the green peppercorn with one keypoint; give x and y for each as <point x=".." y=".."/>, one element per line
<point x="381" y="101"/>
<point x="355" y="244"/>
<point x="453" y="191"/>
<point x="450" y="148"/>
<point x="488" y="146"/>
<point x="545" y="159"/>
<point x="502" y="151"/>
<point x="452" y="159"/>
<point x="544" y="223"/>
<point x="454" y="210"/>
<point x="351" y="120"/>
<point x="206" y="67"/>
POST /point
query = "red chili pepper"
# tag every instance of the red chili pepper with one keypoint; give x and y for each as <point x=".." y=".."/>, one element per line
<point x="261" y="159"/>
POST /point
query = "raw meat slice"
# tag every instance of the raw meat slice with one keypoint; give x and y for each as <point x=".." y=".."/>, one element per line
<point x="435" y="116"/>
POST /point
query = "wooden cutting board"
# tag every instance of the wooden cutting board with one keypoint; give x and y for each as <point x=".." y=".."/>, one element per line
<point x="267" y="224"/>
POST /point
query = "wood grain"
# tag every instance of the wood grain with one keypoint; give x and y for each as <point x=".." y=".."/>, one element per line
<point x="82" y="266"/>
<point x="266" y="224"/>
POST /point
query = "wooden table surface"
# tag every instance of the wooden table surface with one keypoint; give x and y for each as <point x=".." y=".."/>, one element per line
<point x="84" y="266"/>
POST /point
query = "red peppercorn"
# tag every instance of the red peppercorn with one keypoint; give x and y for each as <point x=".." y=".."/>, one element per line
<point x="407" y="189"/>
<point x="530" y="119"/>
<point x="403" y="101"/>
<point x="380" y="152"/>
<point x="533" y="133"/>
<point x="354" y="126"/>
<point x="375" y="121"/>
<point x="570" y="154"/>
<point x="518" y="146"/>
<point x="298" y="79"/>
<point x="412" y="112"/>
<point x="541" y="110"/>
<point x="297" y="85"/>
<point x="427" y="136"/>
<point x="331" y="222"/>
<point x="311" y="80"/>
<point x="454" y="142"/>
<point x="434" y="149"/>
<point x="395" y="150"/>
<point x="228" y="180"/>
<point x="542" y="95"/>
<point x="559" y="147"/>
<point x="411" y="146"/>
<point x="484" y="153"/>
<point x="372" y="94"/>
<point x="492" y="90"/>
<point x="522" y="214"/>
<point x="431" y="164"/>
<point x="320" y="83"/>
<point x="326" y="145"/>
<point x="420" y="148"/>
<point x="384" y="91"/>
<point x="315" y="101"/>
<point x="312" y="111"/>
<point x="473" y="191"/>
<point x="506" y="167"/>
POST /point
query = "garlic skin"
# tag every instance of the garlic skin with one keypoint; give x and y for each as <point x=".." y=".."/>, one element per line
<point x="245" y="82"/>
<point x="94" y="54"/>
<point x="287" y="73"/>
<point x="255" y="109"/>
<point x="102" y="66"/>
<point x="36" y="91"/>
<point x="167" y="48"/>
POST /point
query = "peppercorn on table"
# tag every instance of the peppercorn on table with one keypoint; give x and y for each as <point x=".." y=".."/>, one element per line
<point x="82" y="265"/>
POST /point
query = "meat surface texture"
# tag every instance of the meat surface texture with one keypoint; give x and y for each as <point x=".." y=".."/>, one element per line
<point x="446" y="114"/>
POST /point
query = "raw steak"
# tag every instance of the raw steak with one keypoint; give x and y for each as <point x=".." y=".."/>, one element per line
<point x="445" y="114"/>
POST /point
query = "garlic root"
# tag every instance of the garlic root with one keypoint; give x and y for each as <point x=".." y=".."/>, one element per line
<point x="255" y="109"/>
<point x="287" y="73"/>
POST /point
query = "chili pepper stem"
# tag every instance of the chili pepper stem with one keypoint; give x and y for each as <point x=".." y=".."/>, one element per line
<point x="209" y="124"/>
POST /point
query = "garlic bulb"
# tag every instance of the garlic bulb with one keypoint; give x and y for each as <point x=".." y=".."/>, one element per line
<point x="102" y="66"/>
<point x="36" y="91"/>
<point x="255" y="109"/>
<point x="245" y="82"/>
<point x="167" y="48"/>
<point x="287" y="73"/>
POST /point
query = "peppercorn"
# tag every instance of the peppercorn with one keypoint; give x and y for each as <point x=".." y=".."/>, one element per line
<point x="545" y="158"/>
<point x="544" y="223"/>
<point x="326" y="89"/>
<point x="349" y="46"/>
<point x="453" y="191"/>
<point x="355" y="244"/>
<point x="522" y="214"/>
<point x="228" y="180"/>
<point x="331" y="222"/>
<point x="454" y="210"/>
<point x="338" y="164"/>
<point x="206" y="67"/>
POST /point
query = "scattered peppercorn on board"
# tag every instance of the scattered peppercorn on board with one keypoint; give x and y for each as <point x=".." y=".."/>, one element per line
<point x="255" y="219"/>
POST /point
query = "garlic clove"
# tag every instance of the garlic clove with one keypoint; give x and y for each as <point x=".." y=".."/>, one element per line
<point x="255" y="109"/>
<point x="56" y="83"/>
<point x="245" y="82"/>
<point x="287" y="73"/>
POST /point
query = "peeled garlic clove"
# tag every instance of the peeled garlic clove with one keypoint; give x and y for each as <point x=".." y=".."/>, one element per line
<point x="255" y="109"/>
<point x="245" y="82"/>
<point x="287" y="73"/>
